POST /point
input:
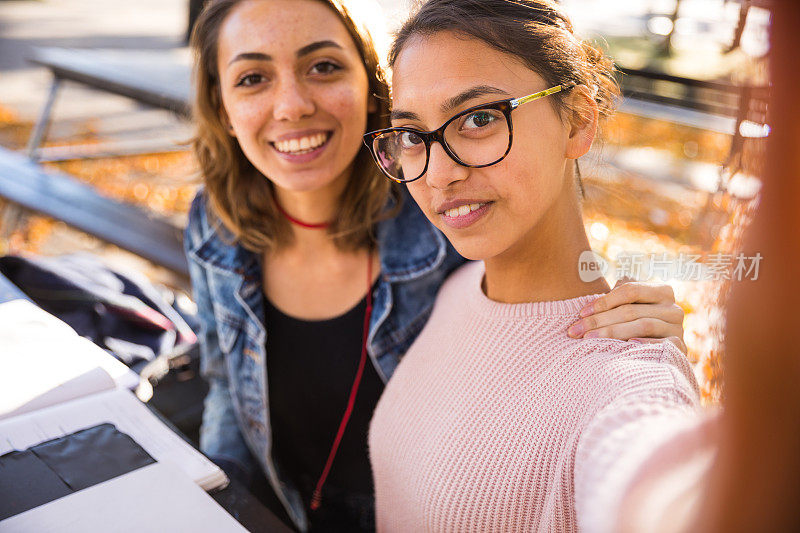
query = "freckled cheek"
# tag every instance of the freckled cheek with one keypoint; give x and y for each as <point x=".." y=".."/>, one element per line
<point x="247" y="117"/>
<point x="348" y="104"/>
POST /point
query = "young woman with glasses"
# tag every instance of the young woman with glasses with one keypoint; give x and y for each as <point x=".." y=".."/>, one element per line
<point x="312" y="273"/>
<point x="495" y="419"/>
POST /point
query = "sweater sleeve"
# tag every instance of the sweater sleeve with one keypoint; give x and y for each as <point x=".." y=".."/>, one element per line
<point x="649" y="443"/>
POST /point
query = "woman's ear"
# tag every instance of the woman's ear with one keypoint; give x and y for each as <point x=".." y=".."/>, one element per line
<point x="583" y="116"/>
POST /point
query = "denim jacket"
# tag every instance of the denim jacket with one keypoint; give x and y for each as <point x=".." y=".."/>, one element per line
<point x="227" y="282"/>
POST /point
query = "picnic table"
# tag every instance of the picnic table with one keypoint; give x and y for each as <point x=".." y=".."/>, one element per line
<point x="63" y="197"/>
<point x="159" y="79"/>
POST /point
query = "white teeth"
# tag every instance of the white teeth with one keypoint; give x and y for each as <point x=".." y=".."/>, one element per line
<point x="463" y="210"/>
<point x="302" y="145"/>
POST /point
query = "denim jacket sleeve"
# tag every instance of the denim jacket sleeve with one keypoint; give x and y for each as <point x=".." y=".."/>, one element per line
<point x="220" y="436"/>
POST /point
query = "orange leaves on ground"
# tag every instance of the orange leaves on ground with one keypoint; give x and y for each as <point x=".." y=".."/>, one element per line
<point x="164" y="183"/>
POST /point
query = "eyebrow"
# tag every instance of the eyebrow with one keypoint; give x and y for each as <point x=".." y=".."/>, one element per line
<point x="248" y="56"/>
<point x="452" y="103"/>
<point x="313" y="47"/>
<point x="304" y="51"/>
<point x="465" y="96"/>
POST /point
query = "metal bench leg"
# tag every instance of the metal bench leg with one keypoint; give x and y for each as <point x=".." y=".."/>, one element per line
<point x="40" y="130"/>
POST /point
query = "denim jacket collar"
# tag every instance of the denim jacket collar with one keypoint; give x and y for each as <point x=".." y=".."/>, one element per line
<point x="219" y="252"/>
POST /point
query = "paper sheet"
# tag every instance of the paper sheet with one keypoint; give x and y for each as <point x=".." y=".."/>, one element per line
<point x="44" y="362"/>
<point x="156" y="497"/>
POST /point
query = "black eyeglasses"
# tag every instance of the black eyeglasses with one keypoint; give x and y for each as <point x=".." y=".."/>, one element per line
<point x="477" y="137"/>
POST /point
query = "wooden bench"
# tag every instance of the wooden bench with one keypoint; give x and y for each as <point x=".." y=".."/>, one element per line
<point x="58" y="195"/>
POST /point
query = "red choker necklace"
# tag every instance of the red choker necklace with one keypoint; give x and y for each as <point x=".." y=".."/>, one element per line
<point x="296" y="222"/>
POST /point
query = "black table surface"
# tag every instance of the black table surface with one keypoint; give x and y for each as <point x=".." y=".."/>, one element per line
<point x="247" y="510"/>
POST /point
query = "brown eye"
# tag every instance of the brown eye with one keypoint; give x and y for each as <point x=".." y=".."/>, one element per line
<point x="478" y="119"/>
<point x="325" y="67"/>
<point x="409" y="140"/>
<point x="249" y="80"/>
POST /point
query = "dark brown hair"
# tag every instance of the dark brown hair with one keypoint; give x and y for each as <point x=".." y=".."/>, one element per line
<point x="537" y="32"/>
<point x="239" y="195"/>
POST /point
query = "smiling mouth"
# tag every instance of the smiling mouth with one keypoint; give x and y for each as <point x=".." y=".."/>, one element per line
<point x="463" y="210"/>
<point x="301" y="145"/>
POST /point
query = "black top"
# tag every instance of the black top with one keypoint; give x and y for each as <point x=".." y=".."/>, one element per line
<point x="311" y="366"/>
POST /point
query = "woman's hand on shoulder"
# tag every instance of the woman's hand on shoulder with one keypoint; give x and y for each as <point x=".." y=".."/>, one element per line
<point x="645" y="312"/>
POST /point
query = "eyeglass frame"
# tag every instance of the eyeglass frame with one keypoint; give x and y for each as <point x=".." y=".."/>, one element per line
<point x="505" y="106"/>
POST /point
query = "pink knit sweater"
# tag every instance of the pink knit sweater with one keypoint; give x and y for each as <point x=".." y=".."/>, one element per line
<point x="479" y="427"/>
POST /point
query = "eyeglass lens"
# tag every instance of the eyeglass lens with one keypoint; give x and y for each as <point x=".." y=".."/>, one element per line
<point x="477" y="138"/>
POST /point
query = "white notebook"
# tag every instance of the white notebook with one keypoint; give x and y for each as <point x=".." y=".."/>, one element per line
<point x="53" y="383"/>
